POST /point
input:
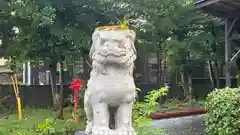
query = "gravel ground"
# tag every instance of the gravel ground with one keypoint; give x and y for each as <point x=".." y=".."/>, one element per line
<point x="191" y="125"/>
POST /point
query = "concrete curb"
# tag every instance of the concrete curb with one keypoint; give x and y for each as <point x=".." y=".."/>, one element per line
<point x="182" y="113"/>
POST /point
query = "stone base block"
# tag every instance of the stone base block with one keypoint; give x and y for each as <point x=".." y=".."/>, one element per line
<point x="79" y="133"/>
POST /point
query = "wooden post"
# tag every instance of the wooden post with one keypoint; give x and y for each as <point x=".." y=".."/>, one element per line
<point x="16" y="91"/>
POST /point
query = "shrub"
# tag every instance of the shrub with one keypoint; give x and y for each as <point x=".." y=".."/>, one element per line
<point x="223" y="111"/>
<point x="141" y="123"/>
<point x="45" y="127"/>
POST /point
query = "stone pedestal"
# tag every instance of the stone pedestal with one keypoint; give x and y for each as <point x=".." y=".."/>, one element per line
<point x="79" y="133"/>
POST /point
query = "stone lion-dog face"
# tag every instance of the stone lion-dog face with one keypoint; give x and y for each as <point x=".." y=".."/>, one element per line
<point x="113" y="48"/>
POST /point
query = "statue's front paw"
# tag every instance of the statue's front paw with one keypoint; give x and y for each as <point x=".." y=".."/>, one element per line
<point x="88" y="129"/>
<point x="126" y="131"/>
<point x="97" y="130"/>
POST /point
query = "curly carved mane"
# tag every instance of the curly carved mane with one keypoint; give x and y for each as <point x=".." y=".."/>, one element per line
<point x="112" y="58"/>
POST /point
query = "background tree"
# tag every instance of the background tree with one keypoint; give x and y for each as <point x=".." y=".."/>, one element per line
<point x="180" y="33"/>
<point x="51" y="31"/>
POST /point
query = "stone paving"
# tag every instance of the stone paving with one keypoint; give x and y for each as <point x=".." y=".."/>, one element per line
<point x="191" y="125"/>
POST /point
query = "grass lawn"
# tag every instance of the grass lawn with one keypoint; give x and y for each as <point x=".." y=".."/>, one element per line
<point x="35" y="120"/>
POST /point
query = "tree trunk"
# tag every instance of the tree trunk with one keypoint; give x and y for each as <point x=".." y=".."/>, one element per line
<point x="184" y="84"/>
<point x="56" y="96"/>
<point x="189" y="80"/>
<point x="162" y="62"/>
<point x="211" y="74"/>
<point x="186" y="80"/>
<point x="158" y="69"/>
<point x="217" y="74"/>
<point x="190" y="89"/>
<point x="59" y="114"/>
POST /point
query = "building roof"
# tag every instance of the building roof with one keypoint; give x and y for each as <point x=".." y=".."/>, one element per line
<point x="3" y="7"/>
<point x="5" y="70"/>
<point x="220" y="8"/>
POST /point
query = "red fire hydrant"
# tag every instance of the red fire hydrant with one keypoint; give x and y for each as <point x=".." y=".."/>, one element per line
<point x="76" y="85"/>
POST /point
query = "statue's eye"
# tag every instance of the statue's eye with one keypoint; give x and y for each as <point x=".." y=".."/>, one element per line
<point x="102" y="41"/>
<point x="123" y="41"/>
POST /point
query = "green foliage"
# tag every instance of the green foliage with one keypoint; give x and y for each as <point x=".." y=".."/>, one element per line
<point x="124" y="23"/>
<point x="69" y="127"/>
<point x="59" y="29"/>
<point x="143" y="109"/>
<point x="45" y="128"/>
<point x="223" y="110"/>
<point x="177" y="30"/>
<point x="39" y="122"/>
<point x="48" y="30"/>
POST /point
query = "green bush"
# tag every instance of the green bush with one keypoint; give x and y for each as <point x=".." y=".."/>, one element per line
<point x="47" y="128"/>
<point x="141" y="123"/>
<point x="223" y="111"/>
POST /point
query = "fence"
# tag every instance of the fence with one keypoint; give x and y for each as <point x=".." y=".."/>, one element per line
<point x="40" y="96"/>
<point x="36" y="96"/>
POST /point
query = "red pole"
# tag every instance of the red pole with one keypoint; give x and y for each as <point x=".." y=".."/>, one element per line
<point x="75" y="104"/>
<point x="75" y="85"/>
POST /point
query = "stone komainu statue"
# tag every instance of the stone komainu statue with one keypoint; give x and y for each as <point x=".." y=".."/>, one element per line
<point x="110" y="90"/>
